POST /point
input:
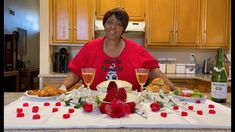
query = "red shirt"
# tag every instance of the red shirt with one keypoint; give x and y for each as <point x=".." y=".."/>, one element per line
<point x="133" y="56"/>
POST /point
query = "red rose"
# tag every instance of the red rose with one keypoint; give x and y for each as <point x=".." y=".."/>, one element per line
<point x="87" y="107"/>
<point x="102" y="108"/>
<point x="121" y="94"/>
<point x="111" y="85"/>
<point x="155" y="106"/>
<point x="132" y="106"/>
<point x="117" y="109"/>
<point x="111" y="94"/>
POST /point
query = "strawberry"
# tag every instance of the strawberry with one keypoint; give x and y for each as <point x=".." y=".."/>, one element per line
<point x="71" y="110"/>
<point x="212" y="111"/>
<point x="121" y="94"/>
<point x="19" y="110"/>
<point x="111" y="94"/>
<point x="155" y="106"/>
<point x="35" y="109"/>
<point x="211" y="106"/>
<point x="46" y="104"/>
<point x="54" y="109"/>
<point x="20" y="114"/>
<point x="25" y="104"/>
<point x="57" y="104"/>
<point x="111" y="85"/>
<point x="175" y="107"/>
<point x="190" y="107"/>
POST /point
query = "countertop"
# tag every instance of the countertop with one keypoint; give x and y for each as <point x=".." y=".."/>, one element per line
<point x="12" y="96"/>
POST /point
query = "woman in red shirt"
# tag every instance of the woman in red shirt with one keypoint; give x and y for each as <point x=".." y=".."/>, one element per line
<point x="113" y="56"/>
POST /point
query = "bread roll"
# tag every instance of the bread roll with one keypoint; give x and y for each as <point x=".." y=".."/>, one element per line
<point x="157" y="81"/>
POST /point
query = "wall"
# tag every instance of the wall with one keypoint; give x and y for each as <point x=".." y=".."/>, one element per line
<point x="26" y="17"/>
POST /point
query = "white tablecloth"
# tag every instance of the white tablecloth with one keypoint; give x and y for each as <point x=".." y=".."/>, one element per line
<point x="80" y="119"/>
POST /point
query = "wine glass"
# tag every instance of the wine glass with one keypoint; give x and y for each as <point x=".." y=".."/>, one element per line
<point x="142" y="76"/>
<point x="88" y="75"/>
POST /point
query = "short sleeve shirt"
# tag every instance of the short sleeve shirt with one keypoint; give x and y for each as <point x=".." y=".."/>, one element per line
<point x="133" y="56"/>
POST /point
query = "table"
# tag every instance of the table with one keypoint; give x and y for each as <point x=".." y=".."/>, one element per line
<point x="12" y="96"/>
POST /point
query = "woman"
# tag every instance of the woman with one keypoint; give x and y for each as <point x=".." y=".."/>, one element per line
<point x="113" y="56"/>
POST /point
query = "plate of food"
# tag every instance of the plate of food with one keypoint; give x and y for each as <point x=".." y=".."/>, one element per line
<point x="188" y="95"/>
<point x="48" y="92"/>
<point x="102" y="87"/>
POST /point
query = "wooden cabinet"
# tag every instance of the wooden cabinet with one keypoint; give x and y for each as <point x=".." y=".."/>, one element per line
<point x="172" y="23"/>
<point x="134" y="8"/>
<point x="216" y="23"/>
<point x="71" y="21"/>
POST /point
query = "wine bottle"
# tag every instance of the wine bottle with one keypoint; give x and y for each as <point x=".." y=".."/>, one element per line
<point x="219" y="79"/>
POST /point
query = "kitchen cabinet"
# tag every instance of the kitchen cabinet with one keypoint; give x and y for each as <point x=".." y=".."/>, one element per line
<point x="216" y="23"/>
<point x="173" y="23"/>
<point x="71" y="21"/>
<point x="205" y="86"/>
<point x="134" y="8"/>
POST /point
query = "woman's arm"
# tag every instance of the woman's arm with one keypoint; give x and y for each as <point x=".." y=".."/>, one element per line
<point x="70" y="80"/>
<point x="157" y="73"/>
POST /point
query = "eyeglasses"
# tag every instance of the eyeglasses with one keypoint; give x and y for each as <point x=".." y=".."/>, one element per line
<point x="116" y="62"/>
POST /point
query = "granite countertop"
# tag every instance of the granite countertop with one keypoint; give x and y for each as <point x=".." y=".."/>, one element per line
<point x="12" y="96"/>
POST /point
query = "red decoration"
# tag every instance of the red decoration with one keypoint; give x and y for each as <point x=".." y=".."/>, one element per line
<point x="57" y="104"/>
<point x="184" y="113"/>
<point x="117" y="109"/>
<point x="198" y="101"/>
<point x="54" y="109"/>
<point x="175" y="107"/>
<point x="102" y="108"/>
<point x="19" y="110"/>
<point x="212" y="111"/>
<point x="132" y="106"/>
<point x="199" y="112"/>
<point x="46" y="104"/>
<point x="71" y="110"/>
<point x="36" y="117"/>
<point x="155" y="106"/>
<point x="87" y="107"/>
<point x="66" y="116"/>
<point x="20" y="114"/>
<point x="25" y="104"/>
<point x="35" y="109"/>
<point x="163" y="114"/>
<point x="211" y="106"/>
<point x="190" y="107"/>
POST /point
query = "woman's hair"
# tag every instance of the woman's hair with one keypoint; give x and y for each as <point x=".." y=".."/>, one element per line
<point x="120" y="14"/>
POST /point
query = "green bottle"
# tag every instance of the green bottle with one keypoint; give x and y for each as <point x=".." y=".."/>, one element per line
<point x="219" y="79"/>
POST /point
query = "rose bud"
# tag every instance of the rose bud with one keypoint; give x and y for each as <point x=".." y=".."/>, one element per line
<point x="87" y="107"/>
<point x="211" y="106"/>
<point x="184" y="113"/>
<point x="212" y="111"/>
<point x="36" y="117"/>
<point x="190" y="107"/>
<point x="46" y="104"/>
<point x="71" y="110"/>
<point x="25" y="104"/>
<point x="66" y="116"/>
<point x="54" y="109"/>
<point x="57" y="104"/>
<point x="155" y="106"/>
<point x="199" y="112"/>
<point x="19" y="110"/>
<point x="163" y="114"/>
<point x="20" y="114"/>
<point x="175" y="107"/>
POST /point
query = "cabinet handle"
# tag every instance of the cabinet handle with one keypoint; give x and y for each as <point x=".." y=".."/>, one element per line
<point x="70" y="28"/>
<point x="204" y="38"/>
<point x="171" y="36"/>
<point x="176" y="36"/>
<point x="74" y="28"/>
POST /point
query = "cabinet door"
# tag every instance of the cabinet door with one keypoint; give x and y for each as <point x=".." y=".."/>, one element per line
<point x="62" y="21"/>
<point x="160" y="26"/>
<point x="215" y="23"/>
<point x="187" y="23"/>
<point x="134" y="8"/>
<point x="82" y="21"/>
<point x="104" y="5"/>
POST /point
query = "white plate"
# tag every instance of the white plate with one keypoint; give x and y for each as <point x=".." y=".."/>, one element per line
<point x="40" y="98"/>
<point x="130" y="97"/>
<point x="102" y="87"/>
<point x="191" y="99"/>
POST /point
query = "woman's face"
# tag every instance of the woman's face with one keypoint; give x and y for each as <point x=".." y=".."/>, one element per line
<point x="113" y="28"/>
